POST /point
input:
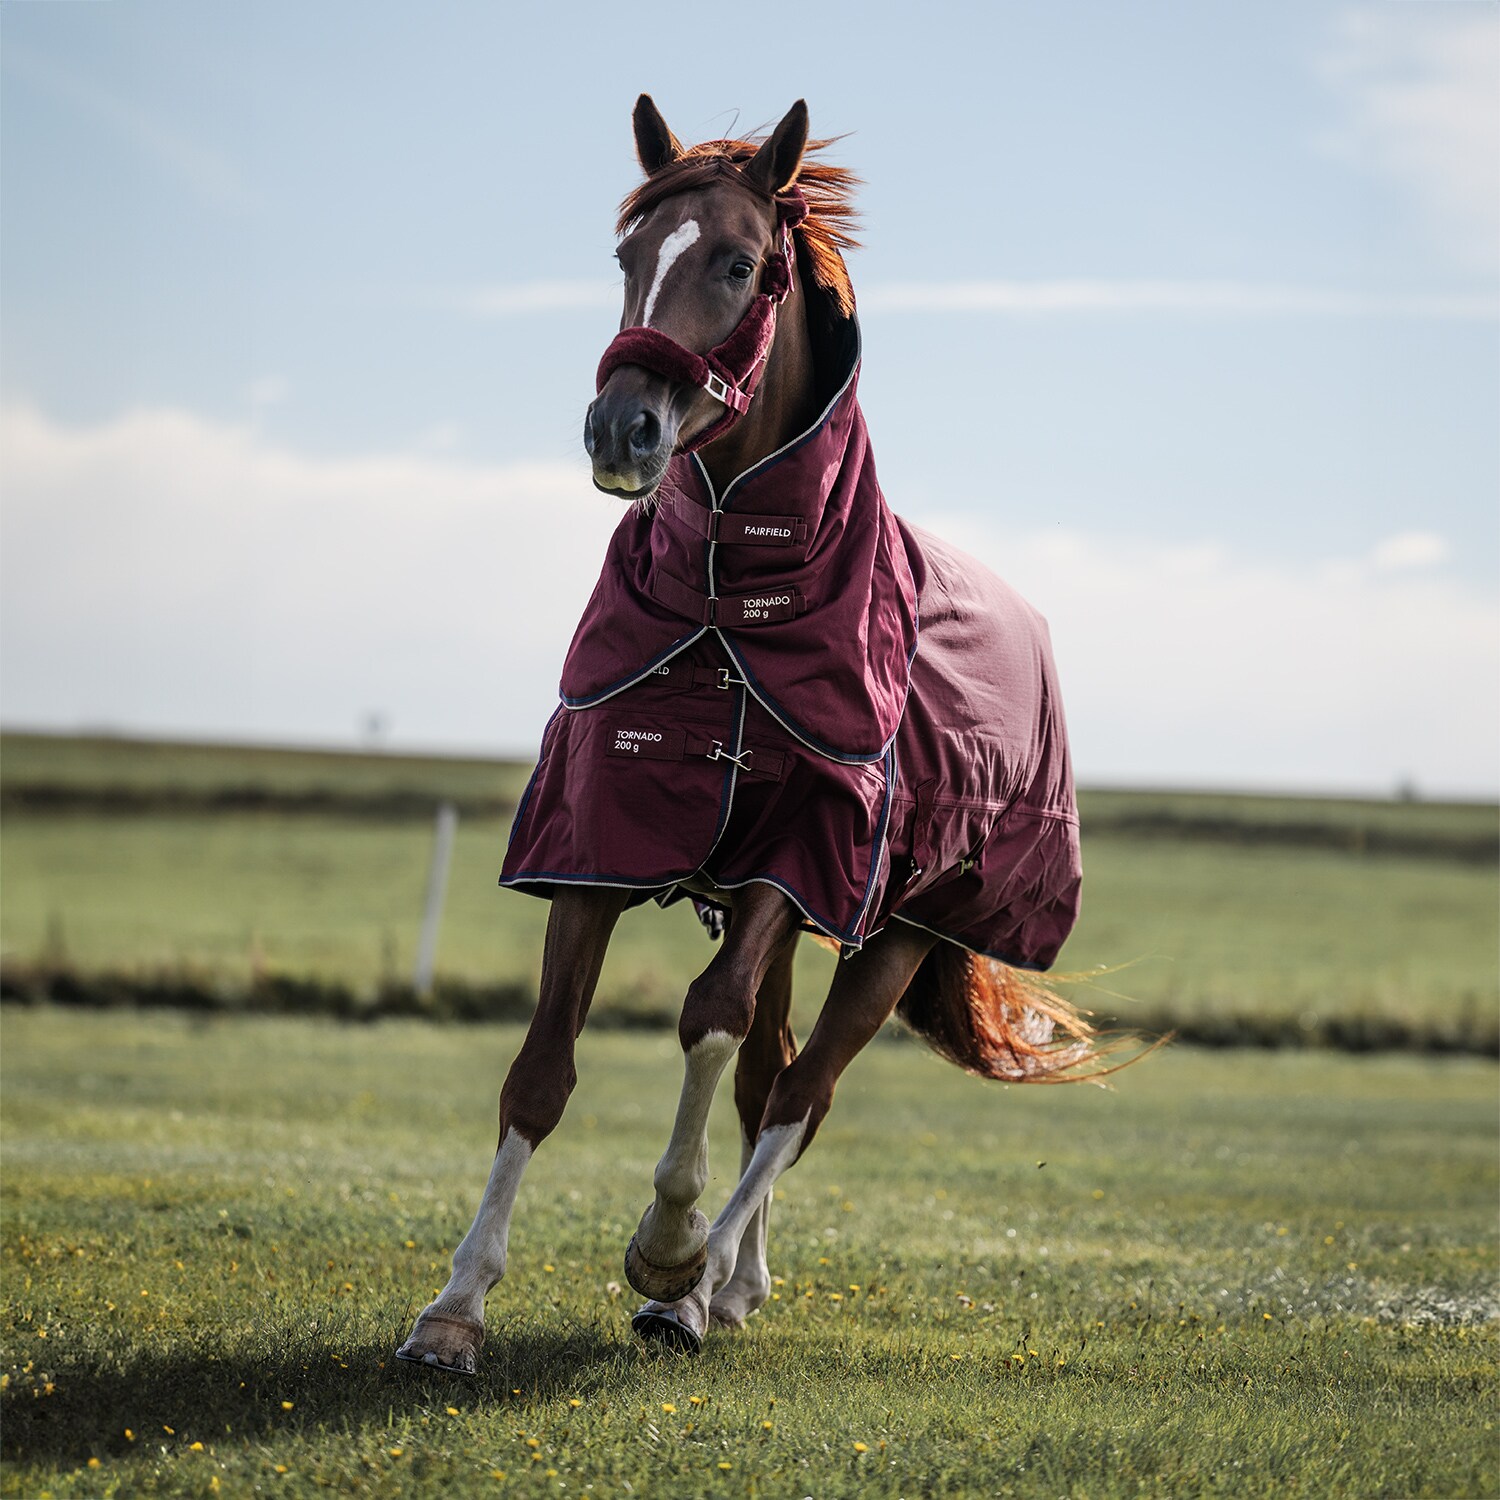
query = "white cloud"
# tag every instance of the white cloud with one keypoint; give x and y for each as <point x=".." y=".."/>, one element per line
<point x="1183" y="663"/>
<point x="164" y="572"/>
<point x="1410" y="549"/>
<point x="1420" y="85"/>
<point x="1192" y="298"/>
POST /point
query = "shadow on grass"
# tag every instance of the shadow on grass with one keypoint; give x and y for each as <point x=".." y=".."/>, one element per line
<point x="235" y="1390"/>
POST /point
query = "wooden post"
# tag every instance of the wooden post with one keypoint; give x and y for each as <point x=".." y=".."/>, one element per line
<point x="437" y="889"/>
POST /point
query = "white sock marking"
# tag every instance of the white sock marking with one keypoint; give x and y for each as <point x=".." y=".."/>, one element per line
<point x="479" y="1261"/>
<point x="675" y="243"/>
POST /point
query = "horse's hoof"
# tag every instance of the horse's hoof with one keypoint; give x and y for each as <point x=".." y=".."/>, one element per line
<point x="664" y="1283"/>
<point x="726" y="1318"/>
<point x="664" y="1327"/>
<point x="441" y="1343"/>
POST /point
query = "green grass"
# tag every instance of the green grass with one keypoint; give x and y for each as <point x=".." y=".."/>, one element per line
<point x="1206" y="927"/>
<point x="1233" y="1274"/>
<point x="1229" y="924"/>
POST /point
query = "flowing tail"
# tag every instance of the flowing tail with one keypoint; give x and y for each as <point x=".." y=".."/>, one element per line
<point x="1004" y="1023"/>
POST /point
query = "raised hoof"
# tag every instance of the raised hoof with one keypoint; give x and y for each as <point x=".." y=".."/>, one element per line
<point x="448" y="1344"/>
<point x="667" y="1329"/>
<point x="663" y="1283"/>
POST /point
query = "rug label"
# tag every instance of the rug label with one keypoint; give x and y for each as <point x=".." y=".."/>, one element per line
<point x="646" y="743"/>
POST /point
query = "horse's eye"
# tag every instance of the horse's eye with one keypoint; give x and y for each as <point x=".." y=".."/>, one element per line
<point x="741" y="270"/>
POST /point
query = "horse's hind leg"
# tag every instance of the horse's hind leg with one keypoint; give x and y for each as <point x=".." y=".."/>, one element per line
<point x="865" y="990"/>
<point x="449" y="1332"/>
<point x="668" y="1252"/>
<point x="766" y="1051"/>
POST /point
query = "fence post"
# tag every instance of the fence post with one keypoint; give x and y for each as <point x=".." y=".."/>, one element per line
<point x="437" y="889"/>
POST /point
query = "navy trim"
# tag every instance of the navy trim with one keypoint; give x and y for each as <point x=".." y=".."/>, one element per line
<point x="769" y="462"/>
<point x="625" y="882"/>
<point x="879" y="849"/>
<point x="625" y="682"/>
<point x="731" y="782"/>
<point x="792" y="727"/>
<point x="848" y="939"/>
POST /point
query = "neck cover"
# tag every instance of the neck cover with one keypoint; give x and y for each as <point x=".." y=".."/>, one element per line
<point x="800" y="570"/>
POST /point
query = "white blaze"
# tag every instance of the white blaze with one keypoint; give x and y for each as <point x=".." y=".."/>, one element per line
<point x="675" y="243"/>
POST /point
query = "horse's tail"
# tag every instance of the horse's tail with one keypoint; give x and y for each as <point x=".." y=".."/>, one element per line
<point x="1000" y="1022"/>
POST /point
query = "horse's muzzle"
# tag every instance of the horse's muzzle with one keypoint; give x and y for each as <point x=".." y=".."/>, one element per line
<point x="627" y="444"/>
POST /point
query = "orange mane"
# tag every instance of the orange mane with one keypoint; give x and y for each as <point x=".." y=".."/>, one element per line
<point x="827" y="230"/>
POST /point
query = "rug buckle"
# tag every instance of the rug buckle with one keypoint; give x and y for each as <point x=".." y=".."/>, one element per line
<point x="742" y="760"/>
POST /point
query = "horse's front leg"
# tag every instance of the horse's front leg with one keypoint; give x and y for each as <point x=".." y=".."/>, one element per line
<point x="865" y="990"/>
<point x="668" y="1252"/>
<point x="450" y="1331"/>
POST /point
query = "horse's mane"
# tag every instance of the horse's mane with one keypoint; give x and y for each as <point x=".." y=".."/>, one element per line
<point x="827" y="230"/>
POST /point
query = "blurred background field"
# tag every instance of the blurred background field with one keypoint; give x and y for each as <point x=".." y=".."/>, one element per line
<point x="221" y="866"/>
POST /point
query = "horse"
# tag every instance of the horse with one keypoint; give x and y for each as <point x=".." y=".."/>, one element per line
<point x="787" y="706"/>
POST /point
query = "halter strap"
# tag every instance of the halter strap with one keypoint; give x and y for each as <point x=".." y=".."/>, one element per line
<point x="731" y="370"/>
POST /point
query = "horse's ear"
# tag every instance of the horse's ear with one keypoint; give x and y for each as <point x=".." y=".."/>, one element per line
<point x="655" y="145"/>
<point x="775" y="166"/>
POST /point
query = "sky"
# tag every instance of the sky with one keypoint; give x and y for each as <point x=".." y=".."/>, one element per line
<point x="1182" y="317"/>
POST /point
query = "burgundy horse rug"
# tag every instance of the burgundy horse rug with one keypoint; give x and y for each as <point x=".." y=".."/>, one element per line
<point x="786" y="683"/>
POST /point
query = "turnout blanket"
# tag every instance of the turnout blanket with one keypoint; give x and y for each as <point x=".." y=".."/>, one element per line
<point x="787" y="683"/>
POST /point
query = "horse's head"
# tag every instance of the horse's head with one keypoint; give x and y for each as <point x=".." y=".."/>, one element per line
<point x="705" y="260"/>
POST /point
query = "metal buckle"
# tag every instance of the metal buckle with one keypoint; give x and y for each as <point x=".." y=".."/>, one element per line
<point x="742" y="760"/>
<point x="724" y="679"/>
<point x="717" y="387"/>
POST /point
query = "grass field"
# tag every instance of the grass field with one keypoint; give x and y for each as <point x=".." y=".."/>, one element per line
<point x="1212" y="900"/>
<point x="1234" y="1274"/>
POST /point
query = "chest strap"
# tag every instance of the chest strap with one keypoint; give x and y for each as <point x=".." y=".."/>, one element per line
<point x="651" y="743"/>
<point x="753" y="531"/>
<point x="763" y="607"/>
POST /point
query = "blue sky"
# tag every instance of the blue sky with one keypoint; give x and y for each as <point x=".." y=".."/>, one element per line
<point x="1183" y="317"/>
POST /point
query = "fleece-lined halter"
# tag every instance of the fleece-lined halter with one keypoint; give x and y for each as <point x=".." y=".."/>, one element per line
<point x="730" y="371"/>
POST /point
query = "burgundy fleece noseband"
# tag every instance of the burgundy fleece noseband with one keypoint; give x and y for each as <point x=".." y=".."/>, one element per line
<point x="730" y="371"/>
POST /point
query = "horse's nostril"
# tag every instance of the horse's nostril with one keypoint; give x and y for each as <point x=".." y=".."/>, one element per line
<point x="644" y="435"/>
<point x="588" y="431"/>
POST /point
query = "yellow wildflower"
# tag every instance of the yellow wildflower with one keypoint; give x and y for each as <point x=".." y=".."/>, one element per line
<point x="667" y="1407"/>
<point x="287" y="1405"/>
<point x="861" y="1447"/>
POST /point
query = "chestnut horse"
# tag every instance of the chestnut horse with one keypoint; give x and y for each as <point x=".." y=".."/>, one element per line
<point x="939" y="898"/>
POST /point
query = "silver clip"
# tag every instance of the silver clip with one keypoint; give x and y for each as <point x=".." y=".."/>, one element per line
<point x="717" y="387"/>
<point x="742" y="760"/>
<point x="725" y="681"/>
